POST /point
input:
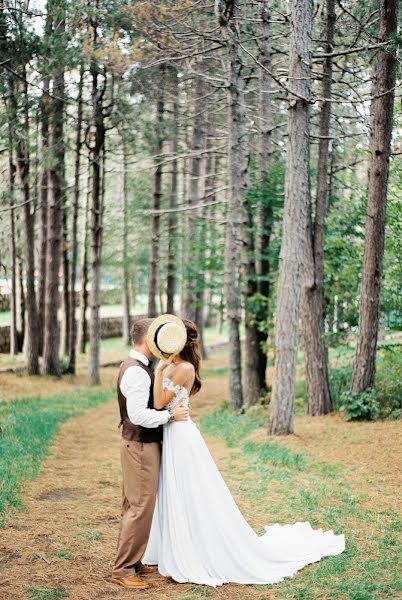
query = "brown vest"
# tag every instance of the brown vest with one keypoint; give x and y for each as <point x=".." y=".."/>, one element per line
<point x="129" y="430"/>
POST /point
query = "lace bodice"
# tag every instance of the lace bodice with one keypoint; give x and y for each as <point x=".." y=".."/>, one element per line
<point x="180" y="393"/>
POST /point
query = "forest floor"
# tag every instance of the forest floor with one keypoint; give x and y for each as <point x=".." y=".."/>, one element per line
<point x="61" y="541"/>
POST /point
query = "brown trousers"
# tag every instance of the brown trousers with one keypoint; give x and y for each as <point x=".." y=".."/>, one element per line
<point x="140" y="463"/>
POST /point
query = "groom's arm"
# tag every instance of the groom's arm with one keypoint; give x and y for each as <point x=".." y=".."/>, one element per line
<point x="135" y="385"/>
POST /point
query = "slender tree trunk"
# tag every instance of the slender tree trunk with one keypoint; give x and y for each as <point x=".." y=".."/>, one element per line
<point x="72" y="340"/>
<point x="65" y="332"/>
<point x="13" y="251"/>
<point x="382" y="111"/>
<point x="192" y="283"/>
<point x="264" y="213"/>
<point x="23" y="168"/>
<point x="312" y="303"/>
<point x="126" y="268"/>
<point x="172" y="223"/>
<point x="96" y="213"/>
<point x="184" y="222"/>
<point x="294" y="219"/>
<point x="56" y="200"/>
<point x="156" y="201"/>
<point x="21" y="312"/>
<point x="45" y="102"/>
<point x="83" y="332"/>
<point x="225" y="12"/>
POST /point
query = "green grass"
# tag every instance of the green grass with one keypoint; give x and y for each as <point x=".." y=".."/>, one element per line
<point x="28" y="425"/>
<point x="196" y="591"/>
<point x="293" y="488"/>
<point x="275" y="454"/>
<point x="47" y="593"/>
<point x="231" y="426"/>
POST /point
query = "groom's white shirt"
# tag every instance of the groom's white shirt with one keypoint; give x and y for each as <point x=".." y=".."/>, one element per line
<point x="135" y="385"/>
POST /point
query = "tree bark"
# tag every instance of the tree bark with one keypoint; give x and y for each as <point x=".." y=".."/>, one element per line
<point x="156" y="200"/>
<point x="56" y="200"/>
<point x="72" y="339"/>
<point x="65" y="330"/>
<point x="264" y="213"/>
<point x="225" y="12"/>
<point x="45" y="104"/>
<point x="21" y="304"/>
<point x="13" y="250"/>
<point x="312" y="303"/>
<point x="96" y="217"/>
<point x="126" y="269"/>
<point x="382" y="110"/>
<point x="294" y="218"/>
<point x="83" y="332"/>
<point x="192" y="279"/>
<point x="172" y="223"/>
<point x="23" y="168"/>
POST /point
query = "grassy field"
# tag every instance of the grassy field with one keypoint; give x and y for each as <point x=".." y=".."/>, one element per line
<point x="290" y="485"/>
<point x="28" y="426"/>
<point x="60" y="480"/>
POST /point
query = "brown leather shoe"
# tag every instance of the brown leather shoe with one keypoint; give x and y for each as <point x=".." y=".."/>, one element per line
<point x="134" y="582"/>
<point x="142" y="569"/>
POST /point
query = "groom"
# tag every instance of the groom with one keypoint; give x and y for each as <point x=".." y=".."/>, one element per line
<point x="140" y="457"/>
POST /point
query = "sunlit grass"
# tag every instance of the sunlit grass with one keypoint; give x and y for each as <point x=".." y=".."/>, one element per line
<point x="288" y="487"/>
<point x="28" y="425"/>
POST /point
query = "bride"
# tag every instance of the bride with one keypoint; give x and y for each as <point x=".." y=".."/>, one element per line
<point x="198" y="533"/>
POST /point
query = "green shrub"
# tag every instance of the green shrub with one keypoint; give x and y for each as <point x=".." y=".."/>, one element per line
<point x="339" y="380"/>
<point x="360" y="407"/>
<point x="388" y="380"/>
<point x="388" y="387"/>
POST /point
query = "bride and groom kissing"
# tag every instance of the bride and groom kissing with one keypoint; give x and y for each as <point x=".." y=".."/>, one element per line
<point x="178" y="515"/>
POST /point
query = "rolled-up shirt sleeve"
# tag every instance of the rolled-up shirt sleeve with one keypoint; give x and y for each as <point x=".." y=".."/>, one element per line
<point x="135" y="385"/>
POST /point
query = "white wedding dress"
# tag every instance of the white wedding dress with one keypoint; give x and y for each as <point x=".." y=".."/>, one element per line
<point x="199" y="535"/>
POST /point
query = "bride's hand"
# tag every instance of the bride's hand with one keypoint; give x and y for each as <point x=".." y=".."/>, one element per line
<point x="162" y="365"/>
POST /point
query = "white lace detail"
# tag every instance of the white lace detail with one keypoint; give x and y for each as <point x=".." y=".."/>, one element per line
<point x="180" y="392"/>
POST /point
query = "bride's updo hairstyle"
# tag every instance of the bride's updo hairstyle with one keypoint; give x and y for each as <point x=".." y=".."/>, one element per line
<point x="192" y="353"/>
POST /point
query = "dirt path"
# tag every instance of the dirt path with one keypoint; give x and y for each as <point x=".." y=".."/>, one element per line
<point x="65" y="537"/>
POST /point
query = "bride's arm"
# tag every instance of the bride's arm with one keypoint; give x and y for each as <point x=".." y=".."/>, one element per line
<point x="179" y="377"/>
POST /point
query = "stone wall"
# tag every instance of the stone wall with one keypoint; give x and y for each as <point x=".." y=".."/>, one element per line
<point x="111" y="327"/>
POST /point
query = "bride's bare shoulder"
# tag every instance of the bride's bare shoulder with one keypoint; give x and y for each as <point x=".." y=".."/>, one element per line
<point x="186" y="367"/>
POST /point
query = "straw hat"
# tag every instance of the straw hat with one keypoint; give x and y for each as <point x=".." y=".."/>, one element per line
<point x="167" y="336"/>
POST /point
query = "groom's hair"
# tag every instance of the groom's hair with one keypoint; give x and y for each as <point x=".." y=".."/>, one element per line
<point x="139" y="330"/>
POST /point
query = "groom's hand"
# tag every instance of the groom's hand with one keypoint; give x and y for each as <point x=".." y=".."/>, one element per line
<point x="181" y="413"/>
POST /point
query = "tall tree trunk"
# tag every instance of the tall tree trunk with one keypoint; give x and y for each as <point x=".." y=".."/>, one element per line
<point x="192" y="279"/>
<point x="126" y="268"/>
<point x="65" y="330"/>
<point x="23" y="167"/>
<point x="56" y="200"/>
<point x="226" y="12"/>
<point x="382" y="111"/>
<point x="21" y="304"/>
<point x="312" y="302"/>
<point x="96" y="214"/>
<point x="45" y="104"/>
<point x="294" y="218"/>
<point x="13" y="251"/>
<point x="264" y="213"/>
<point x="83" y="332"/>
<point x="172" y="223"/>
<point x="72" y="340"/>
<point x="156" y="200"/>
